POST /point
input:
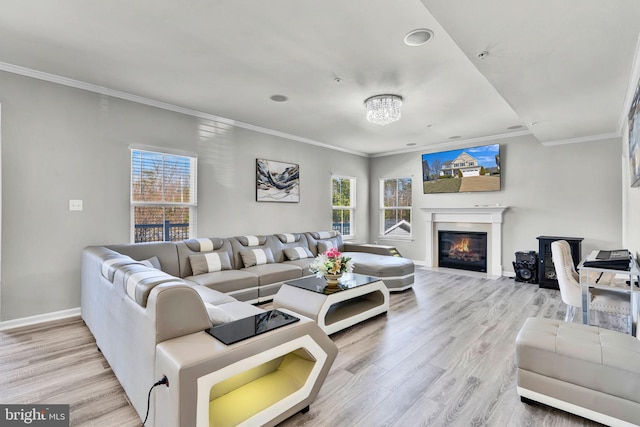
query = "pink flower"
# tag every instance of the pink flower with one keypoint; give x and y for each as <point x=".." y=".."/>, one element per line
<point x="333" y="253"/>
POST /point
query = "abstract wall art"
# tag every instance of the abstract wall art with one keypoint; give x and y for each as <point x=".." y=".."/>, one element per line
<point x="277" y="181"/>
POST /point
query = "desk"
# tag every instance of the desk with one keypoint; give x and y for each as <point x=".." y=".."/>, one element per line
<point x="588" y="280"/>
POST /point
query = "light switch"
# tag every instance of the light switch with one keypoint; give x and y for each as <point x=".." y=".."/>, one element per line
<point x="75" y="205"/>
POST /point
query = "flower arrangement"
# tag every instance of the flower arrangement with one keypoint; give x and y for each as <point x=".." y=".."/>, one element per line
<point x="331" y="262"/>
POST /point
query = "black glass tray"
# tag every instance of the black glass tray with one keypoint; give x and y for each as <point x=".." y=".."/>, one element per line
<point x="238" y="330"/>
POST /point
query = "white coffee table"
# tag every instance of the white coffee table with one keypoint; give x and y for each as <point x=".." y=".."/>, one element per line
<point x="358" y="298"/>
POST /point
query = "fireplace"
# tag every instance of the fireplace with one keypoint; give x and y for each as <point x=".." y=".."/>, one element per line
<point x="486" y="219"/>
<point x="462" y="250"/>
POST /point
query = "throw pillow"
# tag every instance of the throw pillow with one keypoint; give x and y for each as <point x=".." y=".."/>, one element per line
<point x="325" y="246"/>
<point x="208" y="263"/>
<point x="298" y="252"/>
<point x="217" y="315"/>
<point x="152" y="262"/>
<point x="253" y="257"/>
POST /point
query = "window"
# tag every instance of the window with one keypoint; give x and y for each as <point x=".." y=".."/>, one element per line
<point x="343" y="195"/>
<point x="163" y="196"/>
<point x="395" y="207"/>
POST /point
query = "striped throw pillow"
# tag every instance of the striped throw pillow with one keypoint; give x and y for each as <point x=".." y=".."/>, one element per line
<point x="209" y="263"/>
<point x="298" y="252"/>
<point x="251" y="257"/>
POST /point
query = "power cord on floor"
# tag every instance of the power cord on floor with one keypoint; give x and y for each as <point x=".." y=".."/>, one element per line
<point x="164" y="380"/>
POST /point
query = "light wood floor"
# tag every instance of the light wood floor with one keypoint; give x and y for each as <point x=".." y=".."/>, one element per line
<point x="442" y="356"/>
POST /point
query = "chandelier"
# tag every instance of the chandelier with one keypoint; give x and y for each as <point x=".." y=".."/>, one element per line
<point x="383" y="109"/>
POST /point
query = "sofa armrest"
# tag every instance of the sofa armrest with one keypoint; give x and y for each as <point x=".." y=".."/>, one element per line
<point x="211" y="295"/>
<point x="168" y="304"/>
<point x="197" y="365"/>
<point x="372" y="249"/>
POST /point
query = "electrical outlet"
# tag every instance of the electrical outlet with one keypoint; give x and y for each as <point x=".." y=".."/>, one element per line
<point x="75" y="205"/>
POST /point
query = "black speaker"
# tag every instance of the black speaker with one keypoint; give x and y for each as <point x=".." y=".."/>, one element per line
<point x="526" y="267"/>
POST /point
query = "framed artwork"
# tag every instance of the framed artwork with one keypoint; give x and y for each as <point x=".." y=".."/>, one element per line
<point x="277" y="181"/>
<point x="634" y="138"/>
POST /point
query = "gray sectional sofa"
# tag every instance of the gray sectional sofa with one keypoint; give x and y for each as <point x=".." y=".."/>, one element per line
<point x="150" y="324"/>
<point x="148" y="306"/>
<point x="233" y="270"/>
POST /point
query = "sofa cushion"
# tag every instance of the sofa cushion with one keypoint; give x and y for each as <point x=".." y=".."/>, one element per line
<point x="324" y="234"/>
<point x="217" y="315"/>
<point x="380" y="265"/>
<point x="204" y="244"/>
<point x="251" y="257"/>
<point x="289" y="237"/>
<point x="252" y="240"/>
<point x="303" y="263"/>
<point x="274" y="273"/>
<point x="208" y="263"/>
<point x="297" y="252"/>
<point x="226" y="281"/>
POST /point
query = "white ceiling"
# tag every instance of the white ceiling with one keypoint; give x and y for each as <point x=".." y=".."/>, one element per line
<point x="560" y="69"/>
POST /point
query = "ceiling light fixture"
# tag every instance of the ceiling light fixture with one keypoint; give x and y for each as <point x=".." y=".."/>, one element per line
<point x="383" y="109"/>
<point x="418" y="37"/>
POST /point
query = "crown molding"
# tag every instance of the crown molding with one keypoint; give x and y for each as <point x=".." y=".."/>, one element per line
<point x="65" y="81"/>
<point x="581" y="139"/>
<point x="451" y="145"/>
<point x="77" y="84"/>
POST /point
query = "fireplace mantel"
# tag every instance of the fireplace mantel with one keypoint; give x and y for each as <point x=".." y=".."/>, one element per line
<point x="490" y="215"/>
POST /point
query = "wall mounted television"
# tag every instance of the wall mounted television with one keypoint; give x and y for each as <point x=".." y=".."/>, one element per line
<point x="465" y="170"/>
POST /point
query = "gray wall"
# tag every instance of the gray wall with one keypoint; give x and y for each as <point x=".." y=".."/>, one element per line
<point x="571" y="190"/>
<point x="61" y="143"/>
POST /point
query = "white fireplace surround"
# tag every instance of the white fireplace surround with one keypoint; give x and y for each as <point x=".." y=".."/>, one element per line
<point x="477" y="218"/>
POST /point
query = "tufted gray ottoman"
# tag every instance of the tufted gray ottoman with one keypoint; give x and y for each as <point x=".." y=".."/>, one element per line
<point x="585" y="370"/>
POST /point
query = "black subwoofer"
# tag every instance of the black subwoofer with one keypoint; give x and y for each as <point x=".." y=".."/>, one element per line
<point x="526" y="267"/>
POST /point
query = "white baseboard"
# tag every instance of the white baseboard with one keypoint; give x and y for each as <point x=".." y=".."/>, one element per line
<point x="32" y="320"/>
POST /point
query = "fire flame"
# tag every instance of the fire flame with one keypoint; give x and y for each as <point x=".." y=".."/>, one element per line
<point x="461" y="246"/>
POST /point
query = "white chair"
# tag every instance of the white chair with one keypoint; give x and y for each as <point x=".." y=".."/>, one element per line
<point x="571" y="292"/>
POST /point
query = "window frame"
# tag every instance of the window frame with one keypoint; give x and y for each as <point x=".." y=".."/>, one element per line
<point x="193" y="189"/>
<point x="383" y="208"/>
<point x="352" y="204"/>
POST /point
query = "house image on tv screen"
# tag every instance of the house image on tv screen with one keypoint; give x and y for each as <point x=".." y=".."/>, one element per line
<point x="462" y="171"/>
<point x="464" y="165"/>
